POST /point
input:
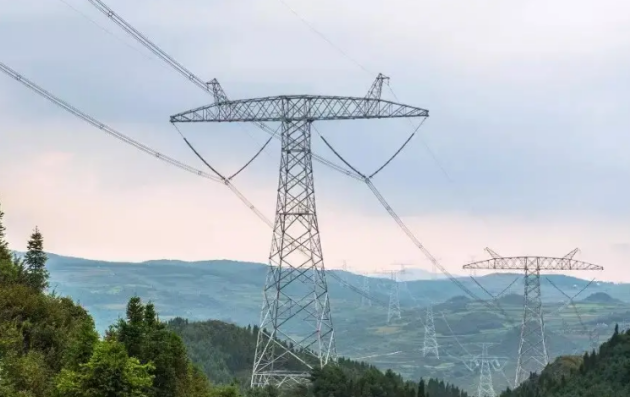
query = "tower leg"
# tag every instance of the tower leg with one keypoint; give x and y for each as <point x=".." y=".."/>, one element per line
<point x="532" y="350"/>
<point x="295" y="296"/>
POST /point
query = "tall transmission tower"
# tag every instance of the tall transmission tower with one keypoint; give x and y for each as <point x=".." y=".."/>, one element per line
<point x="532" y="351"/>
<point x="296" y="253"/>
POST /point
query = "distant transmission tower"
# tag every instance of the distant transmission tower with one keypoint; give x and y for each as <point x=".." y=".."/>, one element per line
<point x="532" y="351"/>
<point x="365" y="300"/>
<point x="486" y="365"/>
<point x="430" y="344"/>
<point x="393" y="310"/>
<point x="344" y="274"/>
<point x="296" y="253"/>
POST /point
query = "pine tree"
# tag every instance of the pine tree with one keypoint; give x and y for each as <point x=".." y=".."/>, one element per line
<point x="5" y="254"/>
<point x="421" y="388"/>
<point x="35" y="259"/>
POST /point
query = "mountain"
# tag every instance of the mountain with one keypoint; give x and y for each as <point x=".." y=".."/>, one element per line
<point x="230" y="291"/>
<point x="601" y="297"/>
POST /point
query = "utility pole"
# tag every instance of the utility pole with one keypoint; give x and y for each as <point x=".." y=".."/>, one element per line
<point x="287" y="309"/>
<point x="532" y="352"/>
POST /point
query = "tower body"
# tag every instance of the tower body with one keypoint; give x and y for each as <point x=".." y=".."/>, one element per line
<point x="365" y="301"/>
<point x="430" y="344"/>
<point x="485" y="387"/>
<point x="393" y="310"/>
<point x="296" y="305"/>
<point x="532" y="349"/>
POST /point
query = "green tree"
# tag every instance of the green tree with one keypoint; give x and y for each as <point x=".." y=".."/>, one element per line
<point x="109" y="373"/>
<point x="35" y="260"/>
<point x="5" y="254"/>
<point x="421" y="389"/>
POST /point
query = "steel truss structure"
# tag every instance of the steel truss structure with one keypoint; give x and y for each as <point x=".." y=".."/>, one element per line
<point x="296" y="259"/>
<point x="532" y="352"/>
<point x="430" y="344"/>
<point x="486" y="365"/>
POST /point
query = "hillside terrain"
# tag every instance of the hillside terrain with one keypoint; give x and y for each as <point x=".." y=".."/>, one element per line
<point x="231" y="292"/>
<point x="604" y="372"/>
<point x="49" y="347"/>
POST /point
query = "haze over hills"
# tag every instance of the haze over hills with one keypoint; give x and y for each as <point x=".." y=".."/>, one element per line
<point x="231" y="291"/>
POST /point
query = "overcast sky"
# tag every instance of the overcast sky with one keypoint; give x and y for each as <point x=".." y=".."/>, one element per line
<point x="528" y="126"/>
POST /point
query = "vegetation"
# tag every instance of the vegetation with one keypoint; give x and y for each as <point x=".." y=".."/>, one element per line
<point x="49" y="347"/>
<point x="225" y="353"/>
<point x="603" y="373"/>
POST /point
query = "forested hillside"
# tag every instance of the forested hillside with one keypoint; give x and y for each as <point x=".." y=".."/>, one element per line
<point x="602" y="373"/>
<point x="49" y="348"/>
<point x="225" y="352"/>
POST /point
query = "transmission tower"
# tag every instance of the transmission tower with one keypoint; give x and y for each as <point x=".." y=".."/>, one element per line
<point x="296" y="253"/>
<point x="365" y="300"/>
<point x="393" y="309"/>
<point x="486" y="365"/>
<point x="532" y="351"/>
<point x="430" y="344"/>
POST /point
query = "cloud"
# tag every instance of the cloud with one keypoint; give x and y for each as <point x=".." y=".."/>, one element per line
<point x="527" y="125"/>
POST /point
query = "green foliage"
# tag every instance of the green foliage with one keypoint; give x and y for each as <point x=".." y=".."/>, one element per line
<point x="605" y="372"/>
<point x="5" y="254"/>
<point x="226" y="351"/>
<point x="109" y="372"/>
<point x="35" y="260"/>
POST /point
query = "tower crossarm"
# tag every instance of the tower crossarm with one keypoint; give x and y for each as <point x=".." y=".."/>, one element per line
<point x="298" y="107"/>
<point x="532" y="263"/>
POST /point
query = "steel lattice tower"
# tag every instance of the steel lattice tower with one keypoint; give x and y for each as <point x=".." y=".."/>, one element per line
<point x="393" y="309"/>
<point x="430" y="344"/>
<point x="365" y="301"/>
<point x="532" y="351"/>
<point x="295" y="296"/>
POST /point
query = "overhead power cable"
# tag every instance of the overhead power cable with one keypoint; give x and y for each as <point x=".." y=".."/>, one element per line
<point x="190" y="76"/>
<point x="198" y="82"/>
<point x="494" y="305"/>
<point x="103" y="127"/>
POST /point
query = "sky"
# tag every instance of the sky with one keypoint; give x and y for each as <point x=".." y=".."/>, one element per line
<point x="525" y="149"/>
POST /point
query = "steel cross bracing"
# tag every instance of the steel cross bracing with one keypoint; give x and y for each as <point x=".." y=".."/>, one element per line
<point x="293" y="108"/>
<point x="485" y="387"/>
<point x="393" y="309"/>
<point x="486" y="364"/>
<point x="430" y="343"/>
<point x="532" y="352"/>
<point x="365" y="300"/>
<point x="287" y="309"/>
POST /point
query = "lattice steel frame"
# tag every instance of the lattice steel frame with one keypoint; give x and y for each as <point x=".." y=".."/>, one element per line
<point x="532" y="352"/>
<point x="296" y="252"/>
<point x="430" y="344"/>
